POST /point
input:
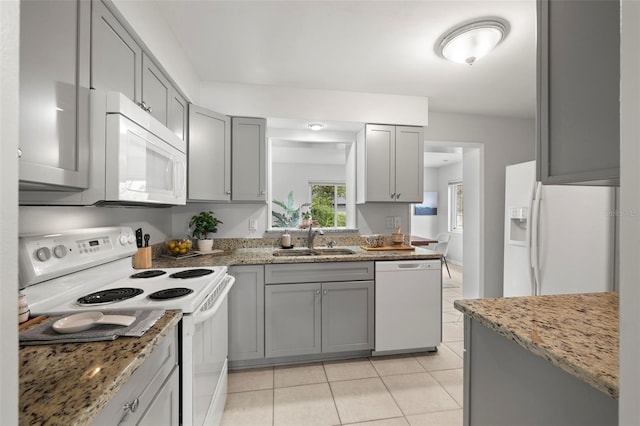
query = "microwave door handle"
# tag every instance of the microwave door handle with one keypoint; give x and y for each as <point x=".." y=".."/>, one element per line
<point x="202" y="316"/>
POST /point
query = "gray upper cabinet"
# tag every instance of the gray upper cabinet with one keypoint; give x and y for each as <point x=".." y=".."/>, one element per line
<point x="116" y="62"/>
<point x="209" y="155"/>
<point x="578" y="81"/>
<point x="390" y="164"/>
<point x="246" y="313"/>
<point x="227" y="157"/>
<point x="119" y="63"/>
<point x="178" y="115"/>
<point x="54" y="95"/>
<point x="248" y="159"/>
<point x="156" y="91"/>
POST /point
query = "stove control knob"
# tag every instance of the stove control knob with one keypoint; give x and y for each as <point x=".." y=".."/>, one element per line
<point x="131" y="239"/>
<point x="123" y="240"/>
<point x="43" y="254"/>
<point x="60" y="251"/>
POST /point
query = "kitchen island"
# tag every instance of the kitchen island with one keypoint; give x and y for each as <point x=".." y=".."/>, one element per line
<point x="549" y="360"/>
<point x="71" y="383"/>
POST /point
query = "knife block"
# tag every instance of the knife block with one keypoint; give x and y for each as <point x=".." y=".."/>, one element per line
<point x="142" y="259"/>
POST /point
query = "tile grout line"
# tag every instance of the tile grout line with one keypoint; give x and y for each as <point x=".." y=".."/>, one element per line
<point x="333" y="398"/>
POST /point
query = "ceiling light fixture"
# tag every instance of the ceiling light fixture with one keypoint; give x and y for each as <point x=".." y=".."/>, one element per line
<point x="316" y="126"/>
<point x="470" y="42"/>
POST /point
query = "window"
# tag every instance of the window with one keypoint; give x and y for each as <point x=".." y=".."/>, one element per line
<point x="456" y="209"/>
<point x="328" y="204"/>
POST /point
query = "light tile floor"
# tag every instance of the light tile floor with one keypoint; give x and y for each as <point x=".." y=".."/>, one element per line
<point x="406" y="390"/>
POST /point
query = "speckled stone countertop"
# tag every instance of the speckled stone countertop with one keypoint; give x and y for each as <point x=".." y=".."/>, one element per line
<point x="68" y="384"/>
<point x="576" y="332"/>
<point x="264" y="255"/>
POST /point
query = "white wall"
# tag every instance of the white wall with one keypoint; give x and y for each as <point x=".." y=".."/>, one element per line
<point x="505" y="141"/>
<point x="427" y="226"/>
<point x="9" y="71"/>
<point x="446" y="175"/>
<point x="311" y="104"/>
<point x="154" y="221"/>
<point x="629" y="409"/>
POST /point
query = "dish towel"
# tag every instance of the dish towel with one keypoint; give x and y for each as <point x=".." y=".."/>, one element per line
<point x="44" y="334"/>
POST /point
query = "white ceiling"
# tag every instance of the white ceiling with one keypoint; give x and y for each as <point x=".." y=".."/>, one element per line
<point x="364" y="46"/>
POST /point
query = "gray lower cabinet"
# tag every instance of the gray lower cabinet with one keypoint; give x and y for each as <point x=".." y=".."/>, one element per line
<point x="347" y="316"/>
<point x="317" y="308"/>
<point x="293" y="319"/>
<point x="578" y="82"/>
<point x="151" y="396"/>
<point x="506" y="385"/>
<point x="246" y="313"/>
<point x="54" y="95"/>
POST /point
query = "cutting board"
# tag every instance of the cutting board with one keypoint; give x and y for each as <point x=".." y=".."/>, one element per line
<point x="387" y="248"/>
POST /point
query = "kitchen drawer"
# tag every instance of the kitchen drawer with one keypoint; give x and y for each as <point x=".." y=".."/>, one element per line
<point x="143" y="385"/>
<point x="318" y="272"/>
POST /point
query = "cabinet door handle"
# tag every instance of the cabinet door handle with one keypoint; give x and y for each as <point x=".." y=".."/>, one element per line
<point x="324" y="292"/>
<point x="144" y="106"/>
<point x="262" y="192"/>
<point x="228" y="192"/>
<point x="132" y="406"/>
<point x="129" y="407"/>
<point x="393" y="195"/>
<point x="398" y="196"/>
<point x="318" y="292"/>
<point x="19" y="152"/>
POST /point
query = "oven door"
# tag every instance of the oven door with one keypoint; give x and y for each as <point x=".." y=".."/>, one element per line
<point x="204" y="356"/>
<point x="140" y="166"/>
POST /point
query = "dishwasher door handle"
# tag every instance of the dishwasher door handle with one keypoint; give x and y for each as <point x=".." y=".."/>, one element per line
<point x="410" y="265"/>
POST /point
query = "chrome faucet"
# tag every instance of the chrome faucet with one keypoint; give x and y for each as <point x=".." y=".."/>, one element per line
<point x="312" y="236"/>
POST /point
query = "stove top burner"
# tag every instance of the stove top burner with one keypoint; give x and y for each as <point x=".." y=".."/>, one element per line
<point x="148" y="274"/>
<point x="109" y="296"/>
<point x="191" y="273"/>
<point x="170" y="293"/>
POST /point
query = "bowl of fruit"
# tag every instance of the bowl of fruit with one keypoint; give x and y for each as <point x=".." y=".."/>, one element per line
<point x="178" y="246"/>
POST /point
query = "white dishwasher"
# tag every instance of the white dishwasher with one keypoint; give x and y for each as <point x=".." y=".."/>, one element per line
<point x="408" y="299"/>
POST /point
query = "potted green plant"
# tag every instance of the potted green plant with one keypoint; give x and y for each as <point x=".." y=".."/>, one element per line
<point x="306" y="218"/>
<point x="204" y="224"/>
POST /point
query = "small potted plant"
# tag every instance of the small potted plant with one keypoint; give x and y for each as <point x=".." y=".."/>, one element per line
<point x="204" y="224"/>
<point x="306" y="218"/>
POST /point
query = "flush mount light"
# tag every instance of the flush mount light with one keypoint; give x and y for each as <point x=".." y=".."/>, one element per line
<point x="316" y="126"/>
<point x="470" y="42"/>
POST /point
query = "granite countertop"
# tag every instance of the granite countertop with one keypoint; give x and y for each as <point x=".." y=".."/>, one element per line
<point x="576" y="332"/>
<point x="264" y="255"/>
<point x="65" y="384"/>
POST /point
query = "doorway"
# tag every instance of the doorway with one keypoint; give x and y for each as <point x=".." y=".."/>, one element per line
<point x="452" y="168"/>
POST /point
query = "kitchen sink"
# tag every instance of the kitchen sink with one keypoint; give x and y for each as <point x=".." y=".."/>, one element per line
<point x="314" y="252"/>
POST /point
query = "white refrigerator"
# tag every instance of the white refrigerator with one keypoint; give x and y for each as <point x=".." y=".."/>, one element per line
<point x="558" y="238"/>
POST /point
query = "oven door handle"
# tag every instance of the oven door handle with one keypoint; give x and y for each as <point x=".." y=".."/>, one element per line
<point x="204" y="315"/>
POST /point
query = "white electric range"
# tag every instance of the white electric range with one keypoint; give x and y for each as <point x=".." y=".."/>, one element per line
<point x="91" y="270"/>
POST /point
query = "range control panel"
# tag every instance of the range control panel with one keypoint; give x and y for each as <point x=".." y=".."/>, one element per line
<point x="46" y="256"/>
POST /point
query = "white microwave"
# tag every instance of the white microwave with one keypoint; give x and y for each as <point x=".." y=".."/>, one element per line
<point x="134" y="159"/>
